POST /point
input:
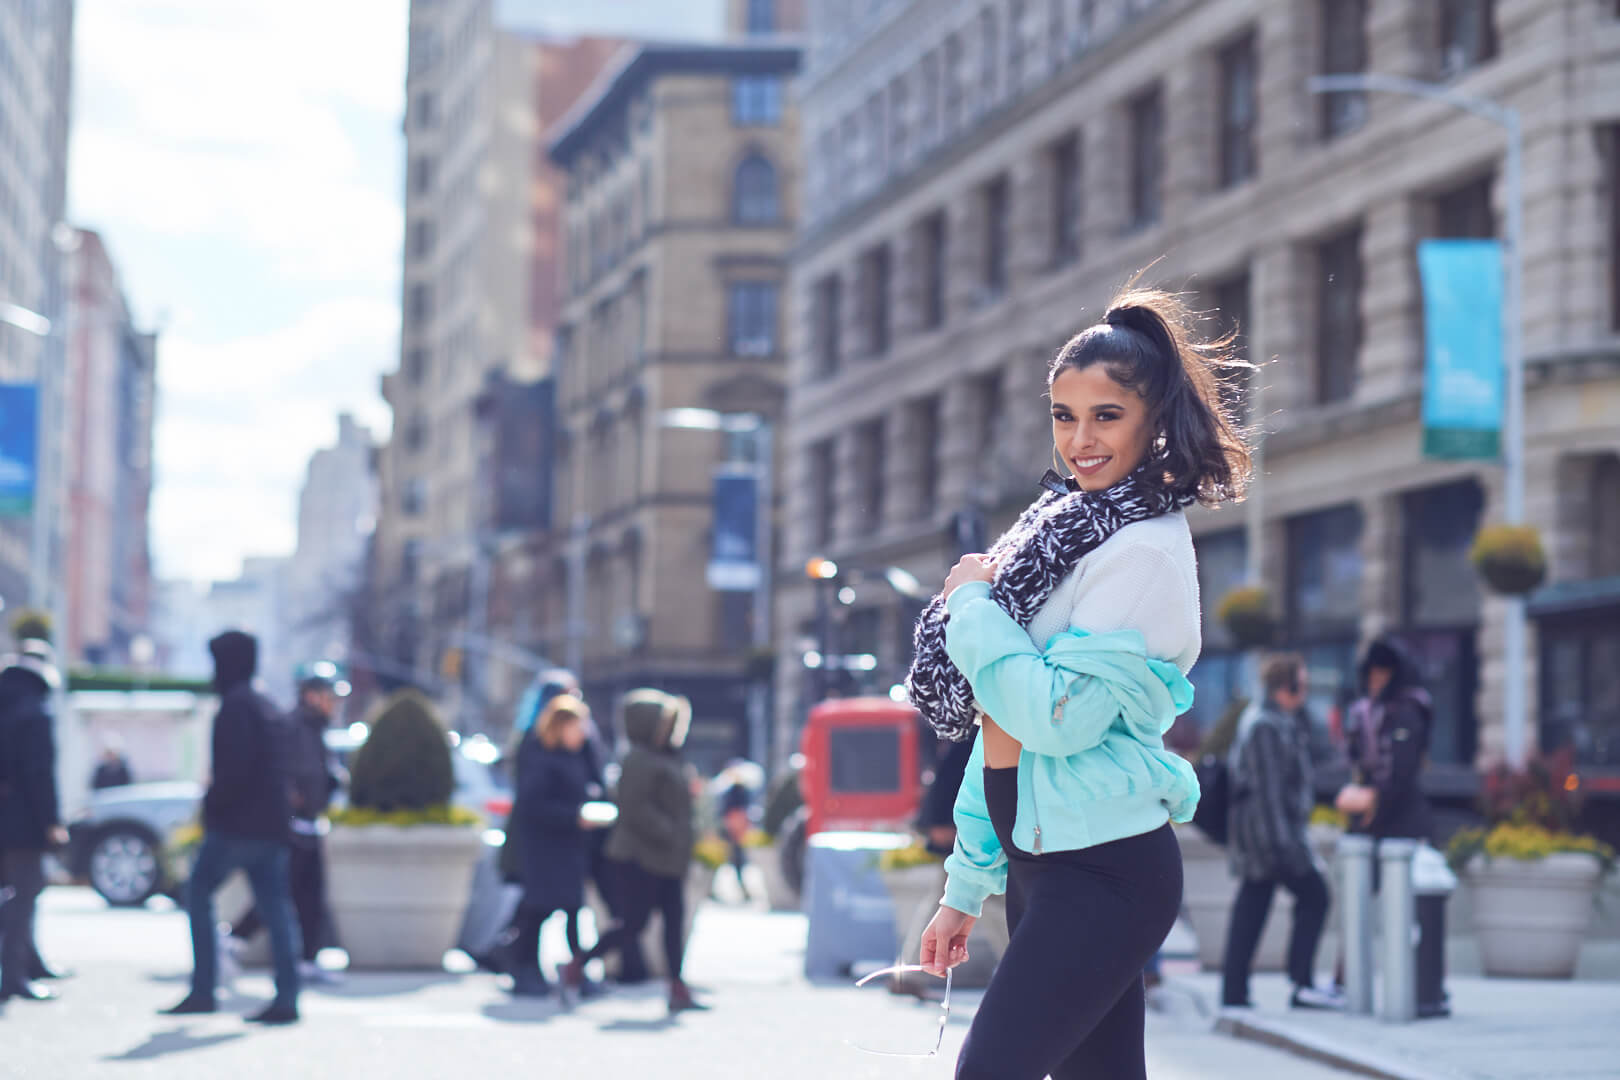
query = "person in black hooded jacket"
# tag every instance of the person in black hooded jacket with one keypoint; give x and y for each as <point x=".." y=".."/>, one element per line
<point x="245" y="821"/>
<point x="1387" y="735"/>
<point x="30" y="818"/>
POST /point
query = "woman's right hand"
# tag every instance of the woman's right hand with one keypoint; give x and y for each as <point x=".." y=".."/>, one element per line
<point x="944" y="942"/>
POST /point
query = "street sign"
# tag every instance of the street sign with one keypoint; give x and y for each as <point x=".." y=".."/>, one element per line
<point x="733" y="561"/>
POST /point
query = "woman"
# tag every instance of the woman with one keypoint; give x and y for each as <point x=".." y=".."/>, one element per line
<point x="553" y="786"/>
<point x="1069" y="643"/>
<point x="1388" y="737"/>
<point x="652" y="841"/>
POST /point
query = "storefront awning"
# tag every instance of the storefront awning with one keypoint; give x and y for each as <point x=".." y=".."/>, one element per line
<point x="1575" y="597"/>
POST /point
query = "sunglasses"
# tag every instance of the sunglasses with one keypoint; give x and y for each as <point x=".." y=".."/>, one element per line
<point x="944" y="1013"/>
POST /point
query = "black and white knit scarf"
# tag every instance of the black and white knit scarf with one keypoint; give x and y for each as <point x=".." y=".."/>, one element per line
<point x="1042" y="548"/>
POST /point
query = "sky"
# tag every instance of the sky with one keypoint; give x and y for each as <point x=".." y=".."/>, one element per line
<point x="242" y="162"/>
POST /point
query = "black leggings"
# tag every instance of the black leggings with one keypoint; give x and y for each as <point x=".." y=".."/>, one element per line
<point x="525" y="934"/>
<point x="1067" y="999"/>
<point x="640" y="893"/>
<point x="1249" y="913"/>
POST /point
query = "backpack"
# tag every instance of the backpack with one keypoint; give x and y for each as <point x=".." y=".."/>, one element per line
<point x="1215" y="797"/>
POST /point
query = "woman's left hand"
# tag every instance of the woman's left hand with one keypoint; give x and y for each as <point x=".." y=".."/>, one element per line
<point x="969" y="568"/>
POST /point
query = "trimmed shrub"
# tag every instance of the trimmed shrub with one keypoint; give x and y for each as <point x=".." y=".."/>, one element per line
<point x="404" y="764"/>
<point x="29" y="623"/>
<point x="1247" y="614"/>
<point x="1510" y="558"/>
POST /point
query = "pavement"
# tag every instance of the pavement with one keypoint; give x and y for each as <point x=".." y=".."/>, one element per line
<point x="767" y="1020"/>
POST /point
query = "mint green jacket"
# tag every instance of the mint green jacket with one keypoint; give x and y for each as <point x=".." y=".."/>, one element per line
<point x="1091" y="711"/>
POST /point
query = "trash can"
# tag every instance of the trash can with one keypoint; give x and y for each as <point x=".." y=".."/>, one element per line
<point x="1432" y="883"/>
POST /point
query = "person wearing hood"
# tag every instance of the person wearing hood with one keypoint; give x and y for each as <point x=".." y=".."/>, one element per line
<point x="653" y="838"/>
<point x="245" y="821"/>
<point x="30" y="817"/>
<point x="554" y="784"/>
<point x="1387" y="734"/>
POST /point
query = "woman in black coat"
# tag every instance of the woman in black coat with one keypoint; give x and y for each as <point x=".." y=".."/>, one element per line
<point x="553" y="784"/>
<point x="1388" y="739"/>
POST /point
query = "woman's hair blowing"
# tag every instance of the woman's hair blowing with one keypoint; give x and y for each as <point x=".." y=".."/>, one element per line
<point x="1145" y="343"/>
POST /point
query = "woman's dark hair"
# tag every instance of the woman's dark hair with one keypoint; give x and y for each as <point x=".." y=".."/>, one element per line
<point x="1146" y="344"/>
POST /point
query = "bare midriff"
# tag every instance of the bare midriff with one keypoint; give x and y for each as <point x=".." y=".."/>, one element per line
<point x="1001" y="750"/>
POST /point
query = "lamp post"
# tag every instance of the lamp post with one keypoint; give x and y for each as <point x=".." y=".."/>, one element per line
<point x="1515" y="727"/>
<point x="759" y="427"/>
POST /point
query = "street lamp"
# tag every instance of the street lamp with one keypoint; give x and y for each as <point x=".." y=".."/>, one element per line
<point x="1514" y="725"/>
<point x="759" y="427"/>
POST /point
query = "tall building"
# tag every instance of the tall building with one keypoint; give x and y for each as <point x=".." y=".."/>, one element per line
<point x="479" y="300"/>
<point x="255" y="602"/>
<point x="36" y="65"/>
<point x="682" y="194"/>
<point x="337" y="511"/>
<point x="111" y="375"/>
<point x="981" y="178"/>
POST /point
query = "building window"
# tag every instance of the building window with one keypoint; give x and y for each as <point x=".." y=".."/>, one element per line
<point x="1239" y="111"/>
<point x="1147" y="158"/>
<point x="953" y="77"/>
<point x="877" y="143"/>
<point x="925" y="444"/>
<point x="899" y="121"/>
<point x="829" y="314"/>
<point x="413" y="500"/>
<point x="935" y="250"/>
<point x="1611" y="136"/>
<point x="1338" y="316"/>
<point x="416" y="363"/>
<point x="761" y="17"/>
<point x="989" y="56"/>
<point x="1066" y="190"/>
<point x="928" y="122"/>
<point x="869" y="452"/>
<point x="1580" y="687"/>
<point x="1440" y="587"/>
<point x="823" y="490"/>
<point x="751" y="314"/>
<point x="992" y="406"/>
<point x="1232" y="314"/>
<point x="874" y="277"/>
<point x="1222" y="567"/>
<point x="1465" y="213"/>
<point x="422" y="175"/>
<point x="1015" y="46"/>
<point x="422" y="236"/>
<point x="419" y="304"/>
<point x="995" y="236"/>
<point x="1057" y="33"/>
<point x="753" y="193"/>
<point x="1467" y="35"/>
<point x="756" y="100"/>
<point x="1605" y="524"/>
<point x="1344" y="52"/>
<point x="426" y="110"/>
<point x="1324" y="574"/>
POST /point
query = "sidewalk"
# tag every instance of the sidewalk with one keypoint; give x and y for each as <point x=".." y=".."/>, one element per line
<point x="1500" y="1029"/>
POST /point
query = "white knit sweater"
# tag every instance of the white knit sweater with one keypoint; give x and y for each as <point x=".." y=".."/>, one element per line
<point x="1144" y="578"/>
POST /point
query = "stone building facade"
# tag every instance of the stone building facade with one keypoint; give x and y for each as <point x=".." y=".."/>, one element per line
<point x="982" y="176"/>
<point x="682" y="197"/>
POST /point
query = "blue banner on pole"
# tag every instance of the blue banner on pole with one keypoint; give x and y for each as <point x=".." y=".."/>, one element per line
<point x="19" y="438"/>
<point x="1462" y="373"/>
<point x="733" y="561"/>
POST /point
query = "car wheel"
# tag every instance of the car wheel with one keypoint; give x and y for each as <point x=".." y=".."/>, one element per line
<point x="124" y="866"/>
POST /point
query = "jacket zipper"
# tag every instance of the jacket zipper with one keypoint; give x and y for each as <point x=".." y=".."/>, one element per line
<point x="1035" y="808"/>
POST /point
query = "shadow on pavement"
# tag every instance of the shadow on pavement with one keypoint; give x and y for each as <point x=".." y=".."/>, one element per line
<point x="538" y="1011"/>
<point x="644" y="1026"/>
<point x="377" y="984"/>
<point x="172" y="1042"/>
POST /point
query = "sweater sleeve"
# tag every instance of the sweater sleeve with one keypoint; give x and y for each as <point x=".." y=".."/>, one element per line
<point x="1139" y="587"/>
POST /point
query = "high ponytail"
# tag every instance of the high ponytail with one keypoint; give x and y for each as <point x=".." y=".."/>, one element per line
<point x="1146" y="344"/>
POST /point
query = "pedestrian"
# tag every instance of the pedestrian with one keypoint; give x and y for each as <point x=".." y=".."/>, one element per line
<point x="735" y="804"/>
<point x="113" y="768"/>
<point x="1273" y="792"/>
<point x="30" y="816"/>
<point x="1069" y="643"/>
<point x="245" y="814"/>
<point x="1387" y="735"/>
<point x="311" y="785"/>
<point x="936" y="818"/>
<point x="651" y="844"/>
<point x="553" y="786"/>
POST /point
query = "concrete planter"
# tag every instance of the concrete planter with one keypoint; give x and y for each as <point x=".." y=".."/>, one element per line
<point x="1531" y="916"/>
<point x="397" y="894"/>
<point x="916" y="892"/>
<point x="699" y="883"/>
<point x="778" y="893"/>
<point x="1209" y="887"/>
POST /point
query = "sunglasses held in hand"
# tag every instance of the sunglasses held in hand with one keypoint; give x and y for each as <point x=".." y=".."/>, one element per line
<point x="944" y="1013"/>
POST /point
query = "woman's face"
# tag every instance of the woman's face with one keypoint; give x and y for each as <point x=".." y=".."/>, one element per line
<point x="1101" y="429"/>
<point x="571" y="735"/>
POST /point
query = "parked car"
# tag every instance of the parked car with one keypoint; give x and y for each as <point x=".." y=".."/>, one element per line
<point x="118" y="842"/>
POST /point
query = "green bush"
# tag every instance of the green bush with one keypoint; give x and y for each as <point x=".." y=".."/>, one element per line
<point x="28" y="623"/>
<point x="1509" y="557"/>
<point x="404" y="764"/>
<point x="1248" y="615"/>
<point x="433" y="815"/>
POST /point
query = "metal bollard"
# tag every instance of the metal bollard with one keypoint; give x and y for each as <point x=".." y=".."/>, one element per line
<point x="1399" y="1004"/>
<point x="1355" y="858"/>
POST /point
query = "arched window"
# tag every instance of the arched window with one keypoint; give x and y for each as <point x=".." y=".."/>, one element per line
<point x="753" y="195"/>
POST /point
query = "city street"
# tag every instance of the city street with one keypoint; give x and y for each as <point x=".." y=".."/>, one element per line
<point x="766" y="1019"/>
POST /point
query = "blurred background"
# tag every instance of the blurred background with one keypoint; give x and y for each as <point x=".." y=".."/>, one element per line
<point x="687" y="344"/>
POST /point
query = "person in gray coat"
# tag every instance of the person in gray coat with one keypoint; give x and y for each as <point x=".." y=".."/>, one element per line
<point x="1267" y="844"/>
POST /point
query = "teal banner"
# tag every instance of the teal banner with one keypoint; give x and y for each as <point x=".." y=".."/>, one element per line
<point x="1462" y="370"/>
